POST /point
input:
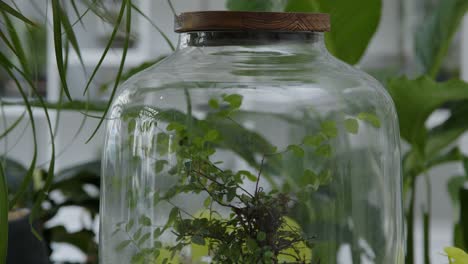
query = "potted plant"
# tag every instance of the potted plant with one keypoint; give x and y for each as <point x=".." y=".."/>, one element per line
<point x="73" y="186"/>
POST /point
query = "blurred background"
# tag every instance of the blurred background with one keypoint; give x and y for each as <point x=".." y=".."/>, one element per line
<point x="391" y="52"/>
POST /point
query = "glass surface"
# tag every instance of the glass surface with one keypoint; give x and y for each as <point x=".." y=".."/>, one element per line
<point x="252" y="147"/>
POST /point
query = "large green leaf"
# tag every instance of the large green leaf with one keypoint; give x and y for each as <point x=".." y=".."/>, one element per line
<point x="353" y="24"/>
<point x="4" y="7"/>
<point x="435" y="35"/>
<point x="417" y="99"/>
<point x="449" y="131"/>
<point x="249" y="5"/>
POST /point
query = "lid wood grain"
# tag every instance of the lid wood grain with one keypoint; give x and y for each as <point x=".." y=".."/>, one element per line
<point x="251" y="21"/>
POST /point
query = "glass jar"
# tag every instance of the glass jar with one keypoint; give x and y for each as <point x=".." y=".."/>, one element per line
<point x="252" y="144"/>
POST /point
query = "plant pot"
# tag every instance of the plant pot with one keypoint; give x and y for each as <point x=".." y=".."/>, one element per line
<point x="23" y="246"/>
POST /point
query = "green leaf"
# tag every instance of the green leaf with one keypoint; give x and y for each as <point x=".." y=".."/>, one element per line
<point x="436" y="33"/>
<point x="164" y="35"/>
<point x="416" y="100"/>
<point x="249" y="5"/>
<point x="13" y="126"/>
<point x="248" y="175"/>
<point x="234" y="100"/>
<point x="456" y="255"/>
<point x="83" y="239"/>
<point x="207" y="202"/>
<point x="143" y="239"/>
<point x="212" y="135"/>
<point x="353" y="25"/>
<point x="251" y="244"/>
<point x="329" y="129"/>
<point x="296" y="150"/>
<point x="449" y="131"/>
<point x="3" y="215"/>
<point x="145" y="220"/>
<point x="162" y="143"/>
<point x="464" y="214"/>
<point x="314" y="141"/>
<point x="71" y="37"/>
<point x="325" y="177"/>
<point x="57" y="26"/>
<point x="302" y="6"/>
<point x="137" y="234"/>
<point x="352" y="125"/>
<point x="370" y="118"/>
<point x="324" y="151"/>
<point x="10" y="10"/>
<point x="122" y="245"/>
<point x="261" y="236"/>
<point x="125" y="4"/>
<point x="28" y="177"/>
<point x="213" y="103"/>
<point x="198" y="240"/>
<point x="454" y="186"/>
<point x="129" y="225"/>
<point x="465" y="164"/>
<point x="172" y="216"/>
<point x="16" y="45"/>
<point x="310" y="178"/>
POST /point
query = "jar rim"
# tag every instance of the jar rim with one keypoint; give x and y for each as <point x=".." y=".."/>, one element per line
<point x="251" y="21"/>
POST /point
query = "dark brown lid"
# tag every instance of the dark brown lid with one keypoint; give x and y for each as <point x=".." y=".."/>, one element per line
<point x="246" y="21"/>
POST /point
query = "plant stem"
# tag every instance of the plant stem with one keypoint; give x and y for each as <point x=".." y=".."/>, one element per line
<point x="427" y="221"/>
<point x="410" y="224"/>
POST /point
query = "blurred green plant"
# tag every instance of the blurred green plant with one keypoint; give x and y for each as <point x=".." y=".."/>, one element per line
<point x="456" y="255"/>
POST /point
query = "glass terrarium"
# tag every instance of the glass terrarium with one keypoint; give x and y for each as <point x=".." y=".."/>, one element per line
<point x="252" y="144"/>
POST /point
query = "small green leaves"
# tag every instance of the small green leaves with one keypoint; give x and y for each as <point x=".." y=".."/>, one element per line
<point x="122" y="245"/>
<point x="145" y="220"/>
<point x="296" y="150"/>
<point x="370" y="118"/>
<point x="329" y="129"/>
<point x="352" y="125"/>
<point x="314" y="141"/>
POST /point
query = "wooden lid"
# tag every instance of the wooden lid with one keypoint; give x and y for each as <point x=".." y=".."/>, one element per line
<point x="251" y="21"/>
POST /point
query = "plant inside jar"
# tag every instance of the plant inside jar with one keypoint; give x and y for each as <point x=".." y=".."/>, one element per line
<point x="235" y="225"/>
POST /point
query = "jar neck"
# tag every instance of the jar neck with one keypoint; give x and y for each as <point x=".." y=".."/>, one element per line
<point x="314" y="40"/>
